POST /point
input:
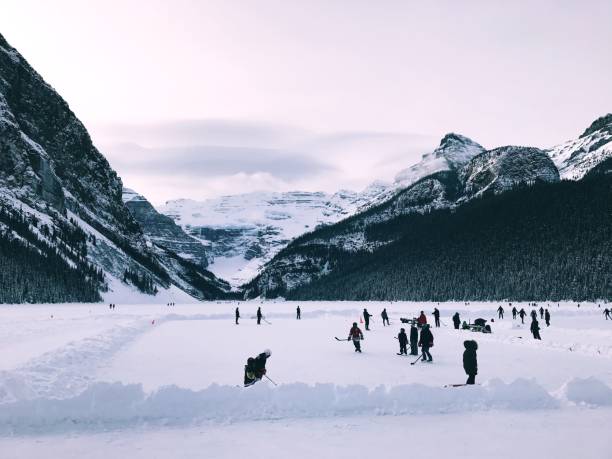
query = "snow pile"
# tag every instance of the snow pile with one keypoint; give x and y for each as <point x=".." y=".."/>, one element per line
<point x="116" y="404"/>
<point x="588" y="391"/>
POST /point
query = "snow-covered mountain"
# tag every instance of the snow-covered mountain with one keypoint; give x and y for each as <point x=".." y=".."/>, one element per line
<point x="65" y="232"/>
<point x="577" y="157"/>
<point x="242" y="232"/>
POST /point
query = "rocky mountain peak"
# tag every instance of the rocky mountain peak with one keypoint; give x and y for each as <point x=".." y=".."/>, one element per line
<point x="601" y="123"/>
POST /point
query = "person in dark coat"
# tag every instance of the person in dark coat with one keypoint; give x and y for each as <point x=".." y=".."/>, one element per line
<point x="237" y="315"/>
<point x="403" y="342"/>
<point x="547" y="317"/>
<point x="535" y="329"/>
<point x="385" y="317"/>
<point x="422" y="320"/>
<point x="534" y="314"/>
<point x="514" y="312"/>
<point x="541" y="312"/>
<point x="522" y="314"/>
<point x="356" y="335"/>
<point x="436" y="315"/>
<point x="414" y="340"/>
<point x="255" y="369"/>
<point x="426" y="342"/>
<point x="500" y="312"/>
<point x="366" y="319"/>
<point x="456" y="321"/>
<point x="298" y="313"/>
<point x="470" y="363"/>
<point x="606" y="313"/>
<point x="259" y="315"/>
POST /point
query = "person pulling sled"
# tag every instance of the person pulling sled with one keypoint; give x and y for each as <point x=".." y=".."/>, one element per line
<point x="255" y="369"/>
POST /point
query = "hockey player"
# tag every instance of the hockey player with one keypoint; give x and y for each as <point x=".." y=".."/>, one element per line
<point x="500" y="312"/>
<point x="298" y="313"/>
<point x="535" y="329"/>
<point x="237" y="314"/>
<point x="414" y="340"/>
<point x="259" y="315"/>
<point x="255" y="369"/>
<point x="522" y="315"/>
<point x="547" y="317"/>
<point x="541" y="312"/>
<point x="422" y="320"/>
<point x="456" y="320"/>
<point x="356" y="335"/>
<point x="470" y="363"/>
<point x="436" y="315"/>
<point x="514" y="312"/>
<point x="366" y="319"/>
<point x="403" y="342"/>
<point x="385" y="317"/>
<point x="426" y="342"/>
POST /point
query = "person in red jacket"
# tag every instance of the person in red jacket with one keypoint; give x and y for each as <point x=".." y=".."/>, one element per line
<point x="356" y="335"/>
<point x="422" y="320"/>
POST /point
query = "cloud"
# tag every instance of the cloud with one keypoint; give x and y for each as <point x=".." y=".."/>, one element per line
<point x="204" y="158"/>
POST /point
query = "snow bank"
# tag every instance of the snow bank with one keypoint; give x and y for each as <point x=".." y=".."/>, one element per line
<point x="109" y="405"/>
<point x="588" y="391"/>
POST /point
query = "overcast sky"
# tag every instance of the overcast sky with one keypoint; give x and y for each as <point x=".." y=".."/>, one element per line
<point x="201" y="98"/>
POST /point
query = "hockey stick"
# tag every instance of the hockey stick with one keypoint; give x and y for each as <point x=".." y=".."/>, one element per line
<point x="270" y="380"/>
<point x="420" y="356"/>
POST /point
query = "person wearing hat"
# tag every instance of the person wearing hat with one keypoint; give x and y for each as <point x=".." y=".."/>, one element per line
<point x="470" y="363"/>
<point x="356" y="335"/>
<point x="255" y="369"/>
<point x="426" y="342"/>
<point x="403" y="342"/>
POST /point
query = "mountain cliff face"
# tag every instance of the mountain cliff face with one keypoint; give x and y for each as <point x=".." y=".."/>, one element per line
<point x="63" y="224"/>
<point x="489" y="172"/>
<point x="575" y="158"/>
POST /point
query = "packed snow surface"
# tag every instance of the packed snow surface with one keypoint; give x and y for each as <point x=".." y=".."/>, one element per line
<point x="74" y="376"/>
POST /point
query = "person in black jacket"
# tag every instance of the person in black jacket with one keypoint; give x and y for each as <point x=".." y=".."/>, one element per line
<point x="414" y="340"/>
<point x="385" y="317"/>
<point x="456" y="320"/>
<point x="366" y="318"/>
<point x="237" y="315"/>
<point x="522" y="314"/>
<point x="255" y="369"/>
<point x="500" y="312"/>
<point x="470" y="363"/>
<point x="535" y="329"/>
<point x="426" y="342"/>
<point x="541" y="312"/>
<point x="259" y="315"/>
<point x="298" y="313"/>
<point x="436" y="315"/>
<point x="547" y="317"/>
<point x="514" y="312"/>
<point x="403" y="342"/>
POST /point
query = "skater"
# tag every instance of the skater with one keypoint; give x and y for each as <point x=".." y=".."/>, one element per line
<point x="403" y="342"/>
<point x="500" y="312"/>
<point x="414" y="340"/>
<point x="607" y="313"/>
<point x="547" y="317"/>
<point x="385" y="317"/>
<point x="298" y="313"/>
<point x="366" y="319"/>
<point x="436" y="315"/>
<point x="259" y="315"/>
<point x="422" y="320"/>
<point x="356" y="335"/>
<point x="514" y="312"/>
<point x="541" y="312"/>
<point x="535" y="329"/>
<point x="237" y="314"/>
<point x="470" y="363"/>
<point x="255" y="369"/>
<point x="456" y="320"/>
<point x="426" y="342"/>
<point x="522" y="314"/>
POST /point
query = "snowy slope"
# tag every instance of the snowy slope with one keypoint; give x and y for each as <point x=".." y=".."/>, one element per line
<point x="576" y="157"/>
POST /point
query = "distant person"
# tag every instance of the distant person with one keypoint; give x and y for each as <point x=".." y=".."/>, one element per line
<point x="547" y="317"/>
<point x="426" y="342"/>
<point x="436" y="315"/>
<point x="422" y="320"/>
<point x="403" y="342"/>
<point x="298" y="312"/>
<point x="522" y="315"/>
<point x="237" y="314"/>
<point x="255" y="369"/>
<point x="541" y="312"/>
<point x="534" y="314"/>
<point x="259" y="315"/>
<point x="385" y="317"/>
<point x="414" y="340"/>
<point x="514" y="312"/>
<point x="606" y="313"/>
<point x="366" y="318"/>
<point x="470" y="363"/>
<point x="535" y="329"/>
<point x="356" y="335"/>
<point x="456" y="320"/>
<point x="500" y="312"/>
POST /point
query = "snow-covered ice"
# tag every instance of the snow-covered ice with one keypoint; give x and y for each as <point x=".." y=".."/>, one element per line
<point x="158" y="381"/>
